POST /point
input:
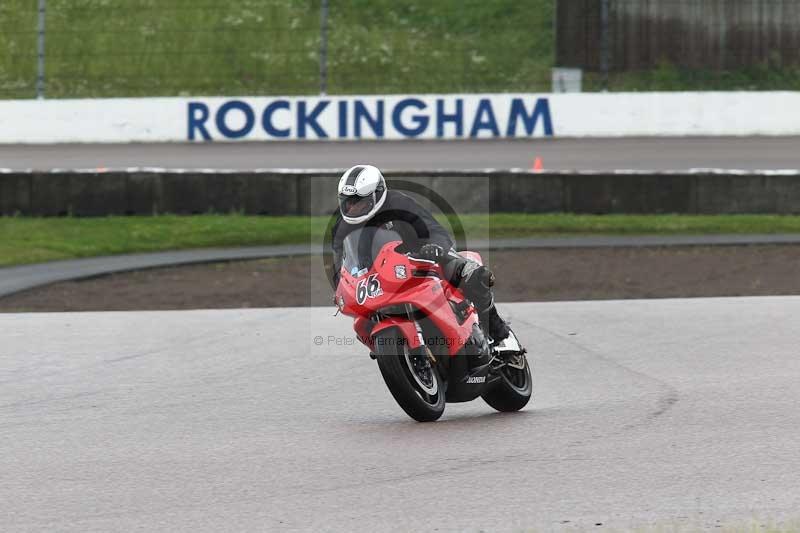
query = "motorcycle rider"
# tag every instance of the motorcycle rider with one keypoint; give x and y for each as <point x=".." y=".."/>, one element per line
<point x="365" y="201"/>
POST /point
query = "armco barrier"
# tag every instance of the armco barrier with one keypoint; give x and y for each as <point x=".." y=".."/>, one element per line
<point x="144" y="192"/>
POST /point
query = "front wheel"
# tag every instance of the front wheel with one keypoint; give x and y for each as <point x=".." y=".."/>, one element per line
<point x="514" y="389"/>
<point x="410" y="377"/>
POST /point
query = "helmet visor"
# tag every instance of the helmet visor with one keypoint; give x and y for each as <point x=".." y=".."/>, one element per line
<point x="356" y="206"/>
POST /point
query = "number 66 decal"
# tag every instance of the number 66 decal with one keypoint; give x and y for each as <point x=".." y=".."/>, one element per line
<point x="368" y="288"/>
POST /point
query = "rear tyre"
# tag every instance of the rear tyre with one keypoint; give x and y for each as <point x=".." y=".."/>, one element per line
<point x="514" y="389"/>
<point x="412" y="380"/>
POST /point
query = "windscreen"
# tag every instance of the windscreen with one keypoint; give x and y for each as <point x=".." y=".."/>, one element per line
<point x="363" y="245"/>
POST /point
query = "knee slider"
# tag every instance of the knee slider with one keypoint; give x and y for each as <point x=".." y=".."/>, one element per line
<point x="478" y="276"/>
<point x="487" y="277"/>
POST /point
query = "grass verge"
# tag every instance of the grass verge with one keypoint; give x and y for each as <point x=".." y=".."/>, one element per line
<point x="26" y="240"/>
<point x="103" y="48"/>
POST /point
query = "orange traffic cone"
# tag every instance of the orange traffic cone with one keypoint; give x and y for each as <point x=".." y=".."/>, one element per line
<point x="537" y="164"/>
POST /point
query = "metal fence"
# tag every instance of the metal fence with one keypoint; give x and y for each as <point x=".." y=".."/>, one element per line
<point x="117" y="48"/>
<point x="111" y="48"/>
<point x="681" y="44"/>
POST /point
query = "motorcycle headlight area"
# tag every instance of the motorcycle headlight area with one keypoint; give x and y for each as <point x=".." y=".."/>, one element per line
<point x="396" y="310"/>
<point x="401" y="310"/>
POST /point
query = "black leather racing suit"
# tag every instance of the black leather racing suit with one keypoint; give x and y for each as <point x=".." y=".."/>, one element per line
<point x="417" y="227"/>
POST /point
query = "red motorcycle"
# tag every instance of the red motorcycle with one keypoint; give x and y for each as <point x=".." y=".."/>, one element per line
<point x="423" y="332"/>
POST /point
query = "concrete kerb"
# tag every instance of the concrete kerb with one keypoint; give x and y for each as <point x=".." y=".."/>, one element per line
<point x="132" y="191"/>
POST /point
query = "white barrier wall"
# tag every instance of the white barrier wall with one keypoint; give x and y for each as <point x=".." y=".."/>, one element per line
<point x="343" y="118"/>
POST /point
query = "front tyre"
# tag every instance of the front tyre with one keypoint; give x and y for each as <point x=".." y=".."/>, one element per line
<point x="410" y="377"/>
<point x="514" y="389"/>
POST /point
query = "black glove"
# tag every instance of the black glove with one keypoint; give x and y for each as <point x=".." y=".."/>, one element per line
<point x="431" y="252"/>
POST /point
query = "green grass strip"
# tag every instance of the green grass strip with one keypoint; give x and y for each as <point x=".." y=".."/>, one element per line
<point x="31" y="240"/>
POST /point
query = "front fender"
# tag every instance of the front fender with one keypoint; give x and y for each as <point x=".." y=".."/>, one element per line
<point x="407" y="328"/>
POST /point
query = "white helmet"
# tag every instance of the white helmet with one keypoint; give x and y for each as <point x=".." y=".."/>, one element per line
<point x="362" y="191"/>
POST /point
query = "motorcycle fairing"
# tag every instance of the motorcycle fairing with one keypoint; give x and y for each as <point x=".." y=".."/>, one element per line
<point x="427" y="293"/>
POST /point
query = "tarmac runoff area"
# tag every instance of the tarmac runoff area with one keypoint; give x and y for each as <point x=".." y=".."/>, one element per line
<point x="654" y="153"/>
<point x="647" y="414"/>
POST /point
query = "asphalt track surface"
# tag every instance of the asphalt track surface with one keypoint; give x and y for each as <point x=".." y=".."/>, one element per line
<point x="651" y="413"/>
<point x="748" y="153"/>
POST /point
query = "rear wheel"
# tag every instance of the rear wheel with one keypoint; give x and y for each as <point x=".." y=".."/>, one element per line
<point x="514" y="389"/>
<point x="410" y="377"/>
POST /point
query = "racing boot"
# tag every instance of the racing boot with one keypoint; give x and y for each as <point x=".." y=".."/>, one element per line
<point x="496" y="327"/>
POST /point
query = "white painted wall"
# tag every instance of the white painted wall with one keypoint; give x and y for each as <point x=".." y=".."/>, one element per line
<point x="404" y="117"/>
